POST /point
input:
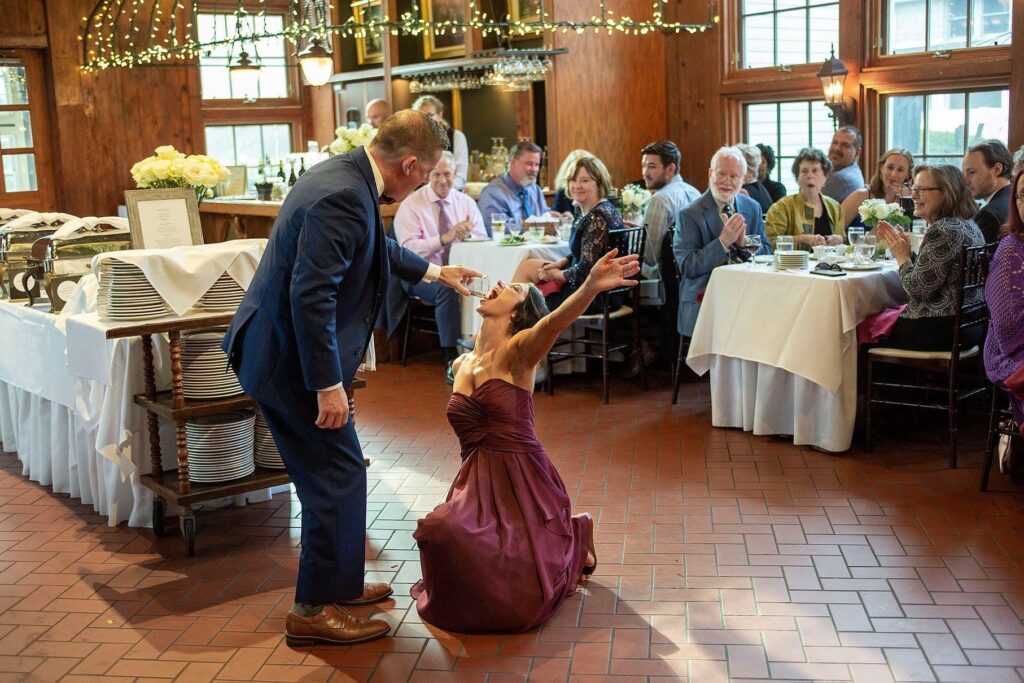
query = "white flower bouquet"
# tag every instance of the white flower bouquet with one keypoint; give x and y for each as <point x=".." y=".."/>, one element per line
<point x="874" y="210"/>
<point x="635" y="198"/>
<point x="347" y="139"/>
<point x="171" y="168"/>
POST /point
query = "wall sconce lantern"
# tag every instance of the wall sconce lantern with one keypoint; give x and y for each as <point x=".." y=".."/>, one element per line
<point x="833" y="75"/>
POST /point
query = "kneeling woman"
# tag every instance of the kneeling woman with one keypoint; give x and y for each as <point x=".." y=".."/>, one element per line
<point x="589" y="186"/>
<point x="503" y="551"/>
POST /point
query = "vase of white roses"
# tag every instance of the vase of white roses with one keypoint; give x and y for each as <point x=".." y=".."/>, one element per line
<point x="170" y="168"/>
<point x="347" y="139"/>
<point x="634" y="200"/>
<point x="872" y="211"/>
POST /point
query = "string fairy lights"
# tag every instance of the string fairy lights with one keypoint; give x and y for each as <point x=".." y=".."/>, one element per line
<point x="130" y="33"/>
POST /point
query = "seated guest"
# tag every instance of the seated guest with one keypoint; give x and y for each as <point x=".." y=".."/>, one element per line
<point x="893" y="173"/>
<point x="660" y="164"/>
<point x="752" y="187"/>
<point x="711" y="229"/>
<point x="776" y="190"/>
<point x="931" y="278"/>
<point x="515" y="194"/>
<point x="1018" y="160"/>
<point x="1004" y="295"/>
<point x="846" y="175"/>
<point x="987" y="171"/>
<point x="377" y="111"/>
<point x="428" y="222"/>
<point x="809" y="216"/>
<point x="589" y="186"/>
<point x="562" y="203"/>
<point x="434" y="108"/>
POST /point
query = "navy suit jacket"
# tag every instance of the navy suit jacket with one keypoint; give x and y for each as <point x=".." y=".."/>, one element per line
<point x="990" y="218"/>
<point x="698" y="250"/>
<point x="308" y="315"/>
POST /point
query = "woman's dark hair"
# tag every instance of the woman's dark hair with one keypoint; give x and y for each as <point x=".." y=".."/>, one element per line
<point x="529" y="312"/>
<point x="768" y="154"/>
<point x="1014" y="222"/>
<point x="811" y="156"/>
<point x="956" y="198"/>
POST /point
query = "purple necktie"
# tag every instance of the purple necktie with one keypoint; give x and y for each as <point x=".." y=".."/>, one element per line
<point x="444" y="224"/>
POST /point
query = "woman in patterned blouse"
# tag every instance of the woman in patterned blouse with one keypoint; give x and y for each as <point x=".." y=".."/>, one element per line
<point x="1004" y="294"/>
<point x="589" y="186"/>
<point x="942" y="199"/>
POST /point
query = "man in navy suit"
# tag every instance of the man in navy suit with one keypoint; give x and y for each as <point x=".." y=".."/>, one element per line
<point x="298" y="338"/>
<point x="711" y="231"/>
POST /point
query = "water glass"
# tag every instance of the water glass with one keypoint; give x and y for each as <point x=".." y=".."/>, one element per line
<point x="536" y="232"/>
<point x="514" y="226"/>
<point x="784" y="243"/>
<point x="855" y="236"/>
<point x="563" y="231"/>
<point x="498" y="225"/>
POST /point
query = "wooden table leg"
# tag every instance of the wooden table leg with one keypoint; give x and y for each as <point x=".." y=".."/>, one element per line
<point x="178" y="400"/>
<point x="155" y="456"/>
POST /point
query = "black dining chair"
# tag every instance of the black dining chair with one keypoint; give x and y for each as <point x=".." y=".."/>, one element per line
<point x="1000" y="423"/>
<point x="957" y="387"/>
<point x="419" y="317"/>
<point x="628" y="241"/>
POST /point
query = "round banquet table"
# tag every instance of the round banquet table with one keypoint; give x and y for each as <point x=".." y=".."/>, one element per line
<point x="781" y="347"/>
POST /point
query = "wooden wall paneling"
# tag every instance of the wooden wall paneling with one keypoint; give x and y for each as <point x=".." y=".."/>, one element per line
<point x="609" y="100"/>
<point x="1017" y="78"/>
<point x="22" y="23"/>
<point x="105" y="121"/>
<point x="321" y="104"/>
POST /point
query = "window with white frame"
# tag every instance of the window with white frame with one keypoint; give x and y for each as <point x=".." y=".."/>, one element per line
<point x="926" y="25"/>
<point x="788" y="127"/>
<point x="939" y="127"/>
<point x="248" y="145"/>
<point x="780" y="32"/>
<point x="269" y="53"/>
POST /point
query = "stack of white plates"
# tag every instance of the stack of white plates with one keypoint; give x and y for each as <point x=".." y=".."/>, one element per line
<point x="267" y="454"/>
<point x="222" y="294"/>
<point x="205" y="370"/>
<point x="791" y="260"/>
<point x="126" y="294"/>
<point x="220" y="447"/>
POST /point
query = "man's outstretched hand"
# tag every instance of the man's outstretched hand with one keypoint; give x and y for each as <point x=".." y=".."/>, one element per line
<point x="456" y="277"/>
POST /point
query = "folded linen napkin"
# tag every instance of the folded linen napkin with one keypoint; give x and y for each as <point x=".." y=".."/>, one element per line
<point x="879" y="325"/>
<point x="182" y="275"/>
<point x="90" y="223"/>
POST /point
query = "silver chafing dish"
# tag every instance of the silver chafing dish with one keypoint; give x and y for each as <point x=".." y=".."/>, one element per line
<point x="61" y="259"/>
<point x="16" y="240"/>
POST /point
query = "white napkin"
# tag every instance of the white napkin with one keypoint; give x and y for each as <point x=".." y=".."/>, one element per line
<point x="35" y="218"/>
<point x="181" y="275"/>
<point x="8" y="214"/>
<point x="90" y="223"/>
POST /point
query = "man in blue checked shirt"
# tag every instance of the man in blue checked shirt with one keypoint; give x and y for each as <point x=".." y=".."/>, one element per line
<point x="515" y="194"/>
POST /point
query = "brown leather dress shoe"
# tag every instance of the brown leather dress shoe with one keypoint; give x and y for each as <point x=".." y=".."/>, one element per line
<point x="334" y="625"/>
<point x="372" y="592"/>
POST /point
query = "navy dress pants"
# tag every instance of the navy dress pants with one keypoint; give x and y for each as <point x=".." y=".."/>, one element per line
<point x="327" y="469"/>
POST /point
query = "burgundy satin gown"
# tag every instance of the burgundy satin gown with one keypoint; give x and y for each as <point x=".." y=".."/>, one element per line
<point x="503" y="551"/>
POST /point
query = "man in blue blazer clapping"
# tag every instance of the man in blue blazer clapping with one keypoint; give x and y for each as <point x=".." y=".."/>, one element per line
<point x="710" y="232"/>
<point x="298" y="338"/>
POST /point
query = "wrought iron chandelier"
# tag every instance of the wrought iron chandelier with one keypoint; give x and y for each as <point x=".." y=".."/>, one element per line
<point x="129" y="33"/>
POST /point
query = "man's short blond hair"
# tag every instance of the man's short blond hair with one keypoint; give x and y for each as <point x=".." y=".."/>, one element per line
<point x="410" y="133"/>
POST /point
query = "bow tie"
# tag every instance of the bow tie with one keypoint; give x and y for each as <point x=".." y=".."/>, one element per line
<point x="386" y="199"/>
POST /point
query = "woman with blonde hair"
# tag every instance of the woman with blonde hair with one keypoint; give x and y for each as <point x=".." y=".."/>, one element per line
<point x="893" y="173"/>
<point x="563" y="203"/>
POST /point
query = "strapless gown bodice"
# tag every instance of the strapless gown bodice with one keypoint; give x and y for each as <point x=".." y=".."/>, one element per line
<point x="497" y="416"/>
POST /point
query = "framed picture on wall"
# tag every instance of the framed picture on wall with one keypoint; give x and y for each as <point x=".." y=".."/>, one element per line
<point x="449" y="43"/>
<point x="370" y="48"/>
<point x="162" y="218"/>
<point x="524" y="10"/>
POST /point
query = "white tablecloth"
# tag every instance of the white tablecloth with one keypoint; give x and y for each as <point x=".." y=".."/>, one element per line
<point x="497" y="263"/>
<point x="782" y="349"/>
<point x="77" y="428"/>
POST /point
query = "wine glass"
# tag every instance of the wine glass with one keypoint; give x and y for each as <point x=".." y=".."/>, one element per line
<point x="498" y="226"/>
<point x="514" y="226"/>
<point x="751" y="245"/>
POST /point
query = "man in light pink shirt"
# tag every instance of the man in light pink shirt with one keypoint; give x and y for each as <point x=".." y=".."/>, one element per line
<point x="428" y="222"/>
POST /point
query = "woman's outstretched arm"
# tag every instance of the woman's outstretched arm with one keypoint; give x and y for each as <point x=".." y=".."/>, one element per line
<point x="609" y="272"/>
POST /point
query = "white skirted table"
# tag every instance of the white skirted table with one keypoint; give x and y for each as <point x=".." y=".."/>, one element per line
<point x="782" y="349"/>
<point x="498" y="263"/>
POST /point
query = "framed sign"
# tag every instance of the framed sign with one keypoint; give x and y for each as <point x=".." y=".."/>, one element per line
<point x="162" y="218"/>
<point x="450" y="43"/>
<point x="524" y="10"/>
<point x="370" y="48"/>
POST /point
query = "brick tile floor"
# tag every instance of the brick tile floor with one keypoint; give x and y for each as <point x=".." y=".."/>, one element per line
<point x="722" y="557"/>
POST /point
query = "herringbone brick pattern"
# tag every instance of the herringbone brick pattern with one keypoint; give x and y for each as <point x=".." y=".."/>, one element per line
<point x="722" y="557"/>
